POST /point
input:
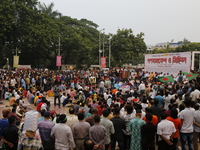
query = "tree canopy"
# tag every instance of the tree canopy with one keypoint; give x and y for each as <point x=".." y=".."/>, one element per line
<point x="34" y="28"/>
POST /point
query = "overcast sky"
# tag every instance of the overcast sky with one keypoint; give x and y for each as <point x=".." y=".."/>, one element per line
<point x="160" y="20"/>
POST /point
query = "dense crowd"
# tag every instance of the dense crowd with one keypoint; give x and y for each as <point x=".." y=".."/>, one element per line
<point x="128" y="107"/>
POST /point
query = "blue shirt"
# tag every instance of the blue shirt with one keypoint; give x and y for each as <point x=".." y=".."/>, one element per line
<point x="45" y="128"/>
<point x="3" y="124"/>
<point x="160" y="100"/>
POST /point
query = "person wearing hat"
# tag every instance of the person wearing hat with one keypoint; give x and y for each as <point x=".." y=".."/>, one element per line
<point x="45" y="127"/>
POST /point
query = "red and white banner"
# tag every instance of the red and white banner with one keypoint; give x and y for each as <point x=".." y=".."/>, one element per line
<point x="103" y="62"/>
<point x="170" y="63"/>
<point x="58" y="60"/>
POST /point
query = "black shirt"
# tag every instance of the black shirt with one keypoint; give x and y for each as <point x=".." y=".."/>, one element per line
<point x="119" y="124"/>
<point x="148" y="132"/>
<point x="10" y="134"/>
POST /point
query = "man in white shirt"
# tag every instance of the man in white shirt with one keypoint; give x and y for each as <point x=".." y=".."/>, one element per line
<point x="101" y="89"/>
<point x="63" y="97"/>
<point x="72" y="118"/>
<point x="12" y="83"/>
<point x="196" y="132"/>
<point x="186" y="132"/>
<point x="195" y="95"/>
<point x="142" y="88"/>
<point x="63" y="135"/>
<point x="165" y="131"/>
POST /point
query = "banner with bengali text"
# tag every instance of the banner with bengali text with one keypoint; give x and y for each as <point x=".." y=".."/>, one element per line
<point x="170" y="63"/>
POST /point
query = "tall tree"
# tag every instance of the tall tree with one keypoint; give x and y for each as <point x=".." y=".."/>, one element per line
<point x="126" y="47"/>
<point x="48" y="9"/>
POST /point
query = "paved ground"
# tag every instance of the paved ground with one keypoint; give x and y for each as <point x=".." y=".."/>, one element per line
<point x="33" y="107"/>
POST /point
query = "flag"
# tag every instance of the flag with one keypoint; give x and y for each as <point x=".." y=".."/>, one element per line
<point x="166" y="79"/>
<point x="190" y="76"/>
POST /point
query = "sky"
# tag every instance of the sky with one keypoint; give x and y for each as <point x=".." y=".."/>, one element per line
<point x="160" y="20"/>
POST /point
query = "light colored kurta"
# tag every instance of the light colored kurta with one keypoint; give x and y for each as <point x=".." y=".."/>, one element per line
<point x="63" y="137"/>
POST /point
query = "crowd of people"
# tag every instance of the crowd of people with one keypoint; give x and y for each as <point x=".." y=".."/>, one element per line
<point x="125" y="107"/>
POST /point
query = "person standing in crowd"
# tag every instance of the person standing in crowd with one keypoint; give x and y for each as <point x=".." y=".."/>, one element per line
<point x="101" y="89"/>
<point x="186" y="132"/>
<point x="195" y="94"/>
<point x="142" y="89"/>
<point x="57" y="90"/>
<point x="10" y="134"/>
<point x="45" y="126"/>
<point x="90" y="119"/>
<point x="4" y="121"/>
<point x="30" y="142"/>
<point x="135" y="127"/>
<point x="63" y="135"/>
<point x="97" y="134"/>
<point x="166" y="131"/>
<point x="177" y="123"/>
<point x="160" y="99"/>
<point x="148" y="132"/>
<point x="156" y="110"/>
<point x="154" y="117"/>
<point x="119" y="126"/>
<point x="127" y="117"/>
<point x="108" y="126"/>
<point x="88" y="144"/>
<point x="196" y="132"/>
<point x="80" y="131"/>
<point x="71" y="118"/>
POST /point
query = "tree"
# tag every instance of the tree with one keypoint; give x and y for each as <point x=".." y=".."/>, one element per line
<point x="49" y="10"/>
<point x="126" y="47"/>
<point x="79" y="38"/>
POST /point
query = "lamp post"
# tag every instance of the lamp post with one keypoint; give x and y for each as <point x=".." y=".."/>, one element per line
<point x="109" y="50"/>
<point x="100" y="51"/>
<point x="17" y="51"/>
<point x="59" y="49"/>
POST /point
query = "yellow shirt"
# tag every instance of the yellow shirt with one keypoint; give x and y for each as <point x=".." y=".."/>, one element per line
<point x="35" y="99"/>
<point x="95" y="97"/>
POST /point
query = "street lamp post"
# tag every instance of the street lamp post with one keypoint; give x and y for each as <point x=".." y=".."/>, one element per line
<point x="100" y="51"/>
<point x="59" y="49"/>
<point x="109" y="50"/>
<point x="16" y="51"/>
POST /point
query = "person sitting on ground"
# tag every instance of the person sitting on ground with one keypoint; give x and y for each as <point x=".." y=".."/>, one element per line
<point x="12" y="100"/>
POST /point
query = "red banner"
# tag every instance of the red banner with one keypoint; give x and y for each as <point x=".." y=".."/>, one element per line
<point x="58" y="60"/>
<point x="103" y="62"/>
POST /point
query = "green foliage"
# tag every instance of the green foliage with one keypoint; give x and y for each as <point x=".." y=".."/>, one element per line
<point x="34" y="28"/>
<point x="126" y="47"/>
